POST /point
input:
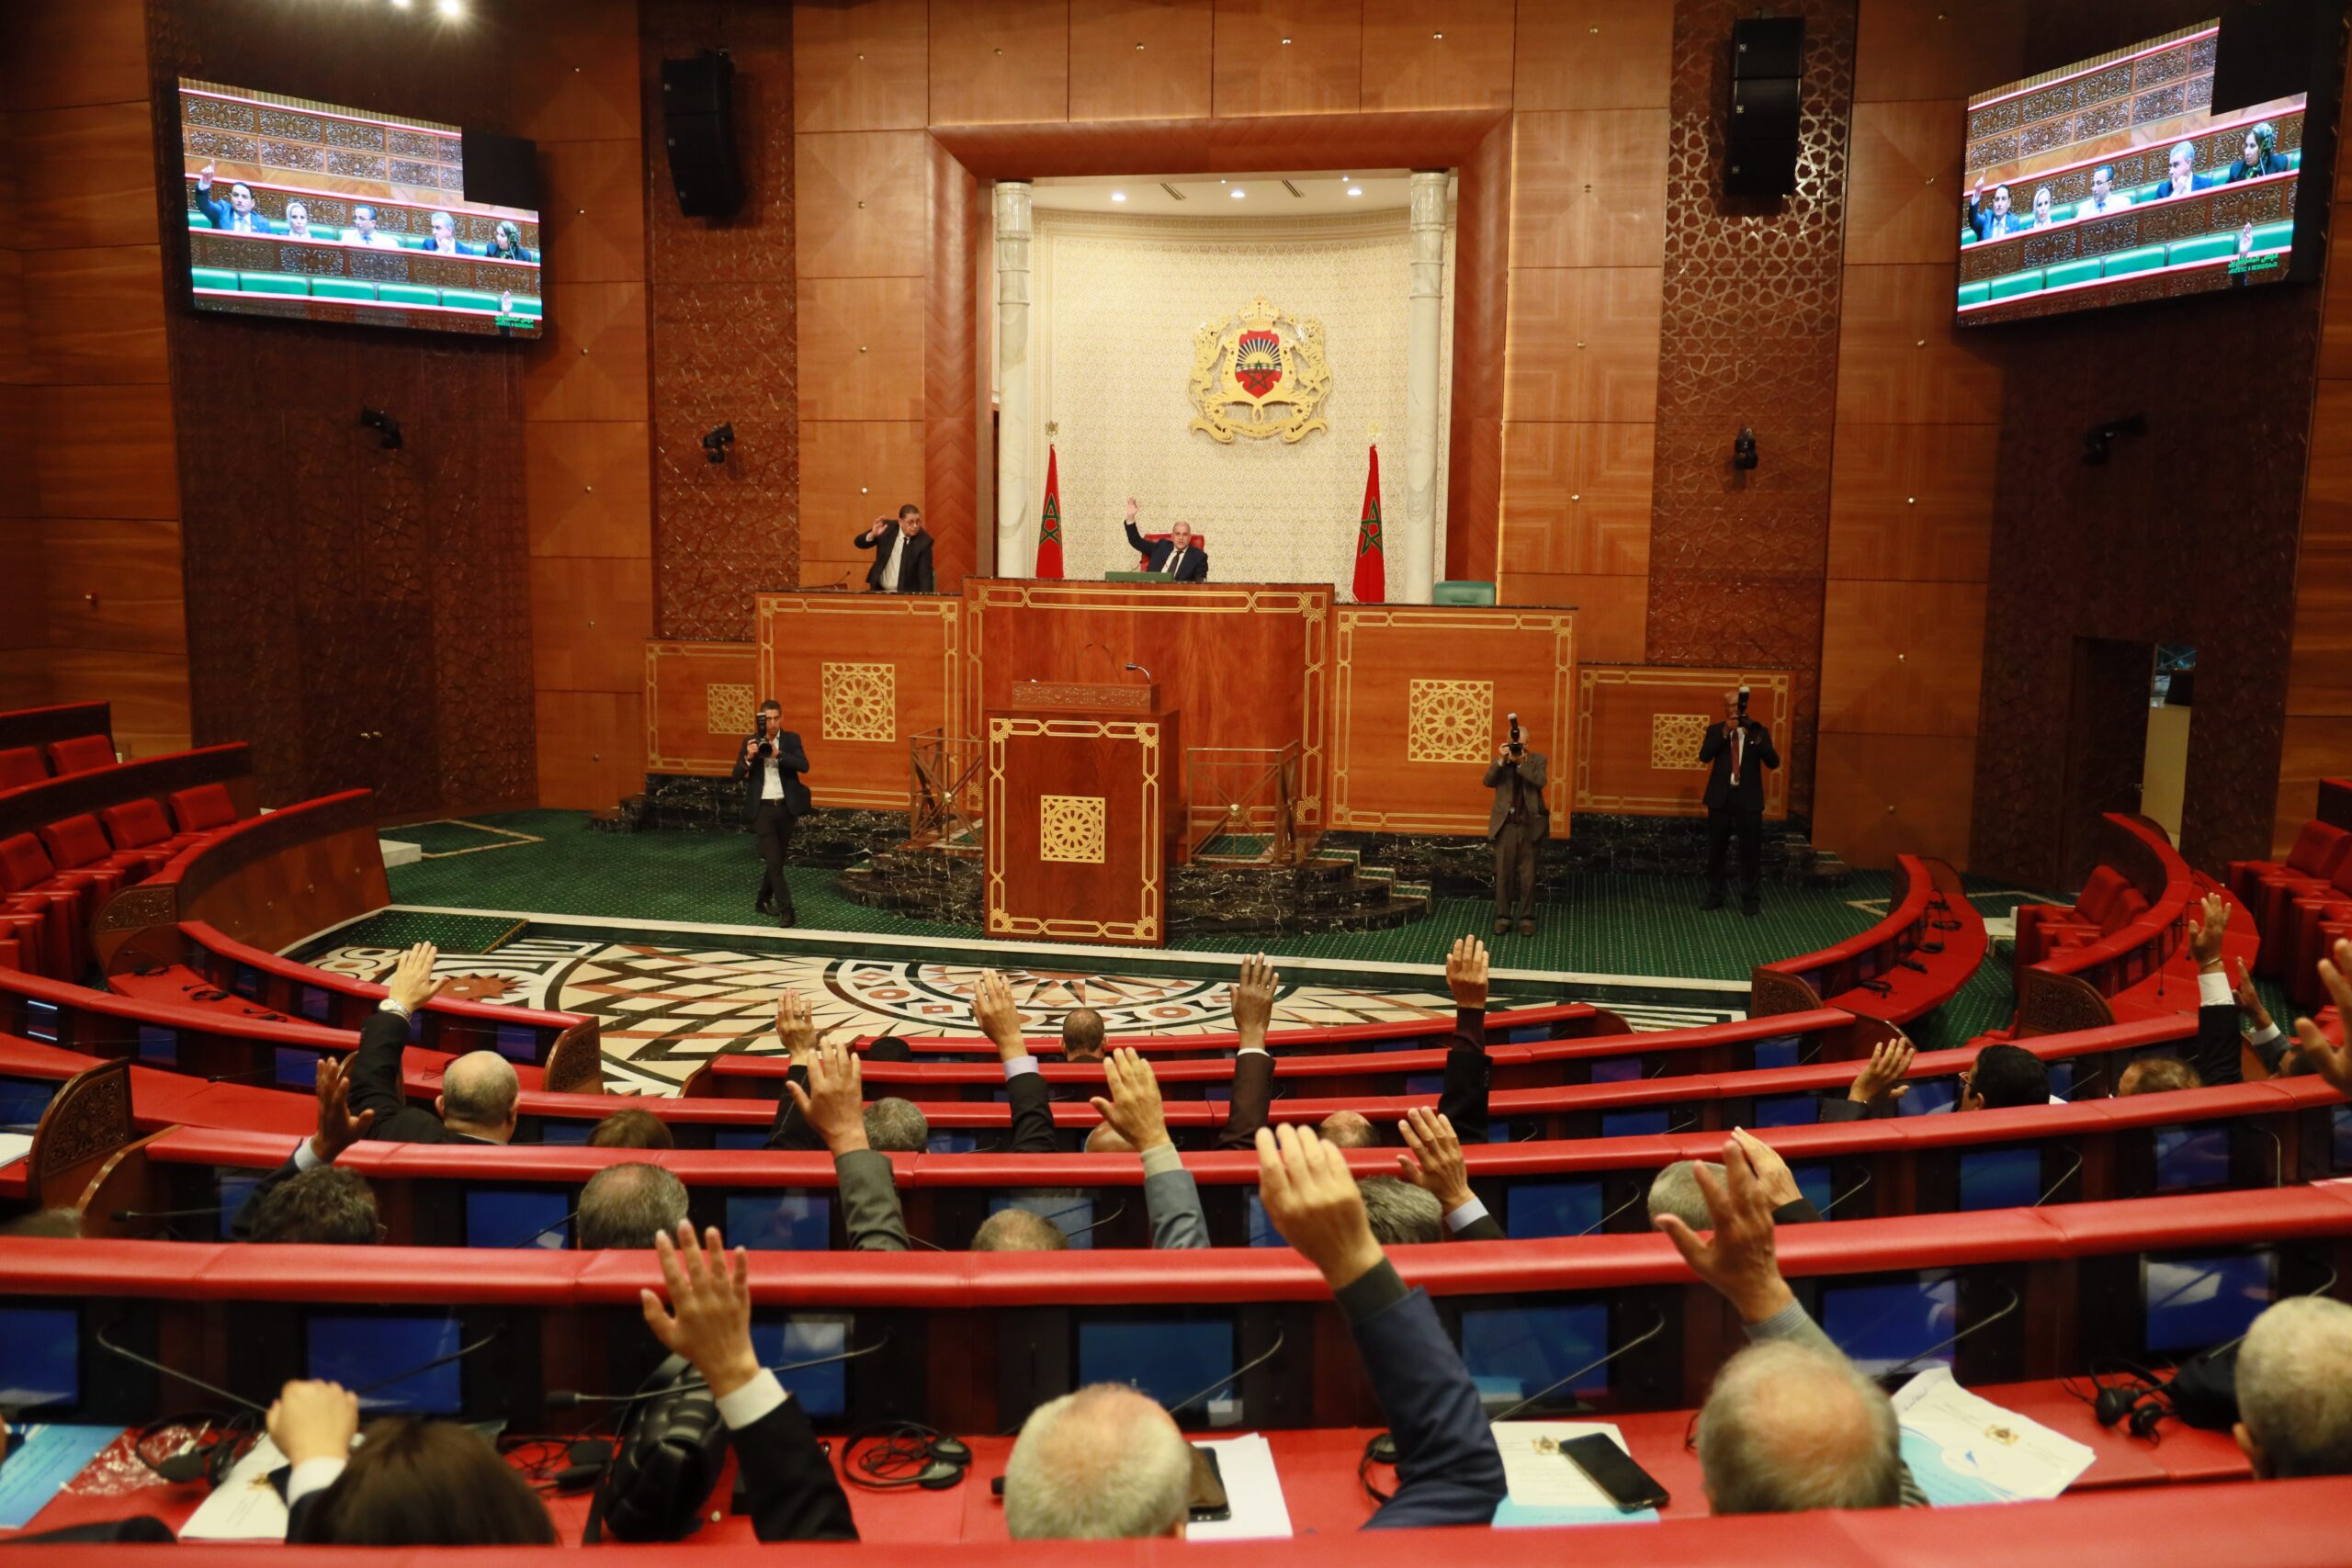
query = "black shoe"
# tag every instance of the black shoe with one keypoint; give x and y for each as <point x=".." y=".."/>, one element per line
<point x="1749" y="907"/>
<point x="786" y="919"/>
<point x="1711" y="901"/>
<point x="766" y="904"/>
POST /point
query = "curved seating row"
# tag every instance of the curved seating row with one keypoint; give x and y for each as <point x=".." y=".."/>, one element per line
<point x="36" y="729"/>
<point x="1909" y="964"/>
<point x="2314" y="863"/>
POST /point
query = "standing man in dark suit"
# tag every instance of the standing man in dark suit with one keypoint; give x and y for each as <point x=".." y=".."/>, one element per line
<point x="476" y="1102"/>
<point x="1517" y="827"/>
<point x="901" y="549"/>
<point x="1179" y="555"/>
<point x="1739" y="749"/>
<point x="774" y="798"/>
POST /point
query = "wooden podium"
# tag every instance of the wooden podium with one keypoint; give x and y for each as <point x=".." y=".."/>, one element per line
<point x="1084" y="802"/>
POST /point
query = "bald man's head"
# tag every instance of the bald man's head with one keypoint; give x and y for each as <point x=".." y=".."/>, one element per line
<point x="1349" y="1130"/>
<point x="1018" y="1230"/>
<point x="1107" y="1140"/>
<point x="1788" y="1428"/>
<point x="1082" y="1035"/>
<point x="478" y="1094"/>
<point x="1105" y="1463"/>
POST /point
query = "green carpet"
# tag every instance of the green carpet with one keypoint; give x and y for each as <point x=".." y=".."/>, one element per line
<point x="451" y="933"/>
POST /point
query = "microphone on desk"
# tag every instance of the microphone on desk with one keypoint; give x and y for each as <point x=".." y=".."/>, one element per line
<point x="566" y="1399"/>
<point x="263" y="1076"/>
<point x="1894" y="1374"/>
<point x="1638" y="1196"/>
<point x="1091" y="1224"/>
<point x="136" y="1360"/>
<point x="1142" y="671"/>
<point x="2062" y="1181"/>
<point x="459" y="1354"/>
<point x="1849" y="1191"/>
<point x="121" y="1216"/>
<point x="1652" y="1332"/>
<point x="533" y="1239"/>
<point x="1248" y="1366"/>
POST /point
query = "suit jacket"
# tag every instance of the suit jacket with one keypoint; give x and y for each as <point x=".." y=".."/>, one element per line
<point x="1988" y="227"/>
<point x="1172" y="1198"/>
<point x="376" y="1086"/>
<point x="2272" y="163"/>
<point x="870" y="1210"/>
<point x="1448" y="1470"/>
<point x="1749" y="794"/>
<point x="794" y="1494"/>
<point x="1033" y="1116"/>
<point x="1253" y="1094"/>
<point x="914" y="566"/>
<point x="1156" y="552"/>
<point x="791" y="762"/>
<point x="222" y="215"/>
<point x="1530" y="772"/>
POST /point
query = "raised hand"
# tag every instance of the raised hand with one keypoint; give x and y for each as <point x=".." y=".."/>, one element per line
<point x="2249" y="1000"/>
<point x="1252" y="999"/>
<point x="204" y="177"/>
<point x="710" y="1319"/>
<point x="338" y="1128"/>
<point x="1134" y="1110"/>
<point x="835" y="1101"/>
<point x="1780" y="1184"/>
<point x="1465" y="972"/>
<point x="1131" y="509"/>
<point x="1737" y="1258"/>
<point x="2333" y="1063"/>
<point x="794" y="1025"/>
<point x="998" y="1014"/>
<point x="2206" y="928"/>
<point x="1313" y="1200"/>
<point x="1435" y="1165"/>
<point x="1890" y="1060"/>
<point x="412" y="983"/>
<point x="314" y="1420"/>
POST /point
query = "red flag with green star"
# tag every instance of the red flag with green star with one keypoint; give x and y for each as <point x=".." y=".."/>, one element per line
<point x="1050" y="531"/>
<point x="1372" y="566"/>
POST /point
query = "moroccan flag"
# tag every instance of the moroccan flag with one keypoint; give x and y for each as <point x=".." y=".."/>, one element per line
<point x="1372" y="566"/>
<point x="1050" y="531"/>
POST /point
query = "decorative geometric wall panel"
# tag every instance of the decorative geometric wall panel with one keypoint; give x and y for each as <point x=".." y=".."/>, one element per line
<point x="730" y="709"/>
<point x="1639" y="730"/>
<point x="1674" y="739"/>
<point x="1447" y="721"/>
<point x="861" y="701"/>
<point x="1069" y="827"/>
<point x="700" y="701"/>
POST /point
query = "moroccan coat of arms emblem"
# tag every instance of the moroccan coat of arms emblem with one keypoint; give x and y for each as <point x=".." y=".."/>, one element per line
<point x="1258" y="373"/>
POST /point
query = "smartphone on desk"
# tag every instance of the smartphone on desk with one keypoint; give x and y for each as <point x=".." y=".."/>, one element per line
<point x="1210" y="1503"/>
<point x="1613" y="1469"/>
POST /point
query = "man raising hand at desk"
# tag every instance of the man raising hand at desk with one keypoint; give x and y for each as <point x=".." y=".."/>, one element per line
<point x="1179" y="555"/>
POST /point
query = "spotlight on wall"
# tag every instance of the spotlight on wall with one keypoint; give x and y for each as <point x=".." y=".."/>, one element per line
<point x="2099" y="437"/>
<point x="383" y="424"/>
<point x="715" y="444"/>
<point x="451" y="8"/>
<point x="1742" y="449"/>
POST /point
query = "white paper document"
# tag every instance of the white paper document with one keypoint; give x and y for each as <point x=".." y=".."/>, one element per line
<point x="1964" y="1449"/>
<point x="1253" y="1489"/>
<point x="15" y="1146"/>
<point x="245" y="1506"/>
<point x="1547" y="1486"/>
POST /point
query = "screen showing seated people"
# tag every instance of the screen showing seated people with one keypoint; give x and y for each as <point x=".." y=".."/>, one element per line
<point x="1882" y="1326"/>
<point x="1514" y="1351"/>
<point x="823" y="1391"/>
<point x="320" y="212"/>
<point x="360" y="1351"/>
<point x="2195" y="1303"/>
<point x="2113" y="181"/>
<point x="40" y="1358"/>
<point x="1171" y="1359"/>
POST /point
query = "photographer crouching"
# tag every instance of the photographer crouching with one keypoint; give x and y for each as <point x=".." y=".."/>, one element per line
<point x="774" y="798"/>
<point x="1517" y="827"/>
<point x="1740" y="749"/>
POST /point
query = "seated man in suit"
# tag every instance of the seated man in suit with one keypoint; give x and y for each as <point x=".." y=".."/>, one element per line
<point x="1082" y="1035"/>
<point x="2003" y="1078"/>
<point x="1108" y="1462"/>
<point x="2104" y="198"/>
<point x="901" y="547"/>
<point x="1676" y="1190"/>
<point x="1176" y="555"/>
<point x="1990" y="222"/>
<point x="363" y="231"/>
<point x="235" y="216"/>
<point x="478" y="1090"/>
<point x="890" y="1125"/>
<point x="444" y="240"/>
<point x="2180" y="172"/>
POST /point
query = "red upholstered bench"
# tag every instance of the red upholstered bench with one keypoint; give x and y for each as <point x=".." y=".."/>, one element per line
<point x="22" y="765"/>
<point x="2304" y="938"/>
<point x="2268" y="889"/>
<point x="78" y="844"/>
<point x="203" y="808"/>
<point x="67" y="899"/>
<point x="143" y="825"/>
<point x="2039" y="926"/>
<point x="82" y="755"/>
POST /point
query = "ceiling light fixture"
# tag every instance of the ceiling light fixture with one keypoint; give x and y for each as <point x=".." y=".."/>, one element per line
<point x="1239" y="194"/>
<point x="453" y="8"/>
<point x="1355" y="190"/>
<point x="1118" y="195"/>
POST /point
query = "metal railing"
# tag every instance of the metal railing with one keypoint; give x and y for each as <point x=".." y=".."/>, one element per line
<point x="943" y="798"/>
<point x="1242" y="804"/>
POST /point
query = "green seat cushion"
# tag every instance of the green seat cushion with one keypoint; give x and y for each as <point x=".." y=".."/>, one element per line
<point x="1462" y="592"/>
<point x="407" y="294"/>
<point x="410" y="242"/>
<point x="2142" y="259"/>
<point x="1968" y="236"/>
<point x="198" y="220"/>
<point x="528" y="305"/>
<point x="213" y="277"/>
<point x="2017" y="283"/>
<point x="2270" y="236"/>
<point x="2083" y="271"/>
<point x="2294" y="156"/>
<point x="341" y="288"/>
<point x="2061" y="213"/>
<point x="469" y="300"/>
<point x="1974" y="293"/>
<point x="274" y="283"/>
<point x="2205" y="247"/>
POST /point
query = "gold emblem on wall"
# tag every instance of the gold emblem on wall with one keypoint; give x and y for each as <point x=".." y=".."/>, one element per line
<point x="1071" y="828"/>
<point x="1674" y="738"/>
<point x="860" y="702"/>
<point x="729" y="708"/>
<point x="1449" y="721"/>
<point x="1255" y="361"/>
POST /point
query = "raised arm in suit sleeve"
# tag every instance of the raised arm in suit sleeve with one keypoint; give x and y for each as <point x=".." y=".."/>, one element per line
<point x="375" y="1069"/>
<point x="1173" y="1200"/>
<point x="870" y="1211"/>
<point x="1253" y="1094"/>
<point x="1469" y="1075"/>
<point x="2214" y="1052"/>
<point x="1837" y="1108"/>
<point x="1135" y="537"/>
<point x="1766" y="753"/>
<point x="863" y="540"/>
<point x="1712" y="744"/>
<point x="1033" y="1115"/>
<point x="1534" y="771"/>
<point x="1485" y="1227"/>
<point x="1493" y="774"/>
<point x="790" y="1130"/>
<point x="1448" y="1469"/>
<point x="795" y="1494"/>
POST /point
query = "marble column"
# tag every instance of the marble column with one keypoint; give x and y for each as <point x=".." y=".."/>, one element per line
<point x="1412" y="555"/>
<point x="1016" y="508"/>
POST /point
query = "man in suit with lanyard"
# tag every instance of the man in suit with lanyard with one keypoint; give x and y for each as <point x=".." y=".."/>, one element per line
<point x="1739" y="749"/>
<point x="774" y="797"/>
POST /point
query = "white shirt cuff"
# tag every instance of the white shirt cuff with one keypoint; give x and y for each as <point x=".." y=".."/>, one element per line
<point x="1161" y="1157"/>
<point x="313" y="1475"/>
<point x="752" y="1401"/>
<point x="1253" y="1051"/>
<point x="2267" y="1036"/>
<point x="388" y="1005"/>
<point x="306" y="1158"/>
<point x="2214" y="990"/>
<point x="1016" y="1066"/>
<point x="1469" y="1214"/>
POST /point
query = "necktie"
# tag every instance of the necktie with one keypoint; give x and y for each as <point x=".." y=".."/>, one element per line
<point x="1175" y="561"/>
<point x="1739" y="744"/>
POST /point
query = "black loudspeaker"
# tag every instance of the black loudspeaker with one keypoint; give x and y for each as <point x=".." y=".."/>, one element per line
<point x="698" y="125"/>
<point x="1767" y="71"/>
<point x="2266" y="49"/>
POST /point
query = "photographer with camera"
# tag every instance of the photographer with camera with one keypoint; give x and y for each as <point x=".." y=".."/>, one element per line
<point x="774" y="798"/>
<point x="1517" y="827"/>
<point x="1739" y="749"/>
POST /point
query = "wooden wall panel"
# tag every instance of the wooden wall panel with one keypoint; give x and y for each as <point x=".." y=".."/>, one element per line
<point x="1933" y="48"/>
<point x="73" y="53"/>
<point x="1418" y="702"/>
<point x="1588" y="189"/>
<point x="861" y="348"/>
<point x="1612" y="613"/>
<point x="699" y="699"/>
<point x="578" y="82"/>
<point x="602" y="757"/>
<point x="1481" y="323"/>
<point x="1900" y="359"/>
<point x="590" y="362"/>
<point x="1418" y="56"/>
<point x="113" y="585"/>
<point x="85" y="177"/>
<point x="957" y="410"/>
<point x="595" y="210"/>
<point x="1594" y="54"/>
<point x="1007" y="62"/>
<point x="1902" y="660"/>
<point x="107" y="452"/>
<point x="1287" y="57"/>
<point x="1912" y="501"/>
<point x="1905" y="795"/>
<point x="149" y="693"/>
<point x="587" y="488"/>
<point x="2316" y="747"/>
<point x="852" y="471"/>
<point x="95" y="316"/>
<point x="1139" y="58"/>
<point x="1579" y="497"/>
<point x="860" y="67"/>
<point x="850" y="644"/>
<point x="1639" y="728"/>
<point x="1584" y="345"/>
<point x="1903" y="205"/>
<point x="859" y="208"/>
<point x="590" y="616"/>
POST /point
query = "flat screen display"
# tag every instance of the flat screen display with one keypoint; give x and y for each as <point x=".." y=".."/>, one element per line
<point x="2192" y="1156"/>
<point x="22" y="1100"/>
<point x="2194" y="1303"/>
<point x="520" y="1216"/>
<point x="2000" y="1179"/>
<point x="2343" y="1140"/>
<point x="1512" y="1352"/>
<point x="1168" y="1358"/>
<point x="1633" y="1124"/>
<point x="780" y="1221"/>
<point x="1882" y="1326"/>
<point x="1786" y="1111"/>
<point x="1551" y="1208"/>
<point x="1781" y="1051"/>
<point x="236" y="1190"/>
<point x="323" y="213"/>
<point x="40" y="1358"/>
<point x="1928" y="1097"/>
<point x="1070" y="1212"/>
<point x="823" y="1391"/>
<point x="357" y="1350"/>
<point x="2112" y="181"/>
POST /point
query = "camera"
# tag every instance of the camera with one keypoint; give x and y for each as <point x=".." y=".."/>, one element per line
<point x="1517" y="748"/>
<point x="1743" y="704"/>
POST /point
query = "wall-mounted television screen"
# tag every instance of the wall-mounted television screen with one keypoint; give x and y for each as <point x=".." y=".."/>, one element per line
<point x="2114" y="181"/>
<point x="318" y="213"/>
